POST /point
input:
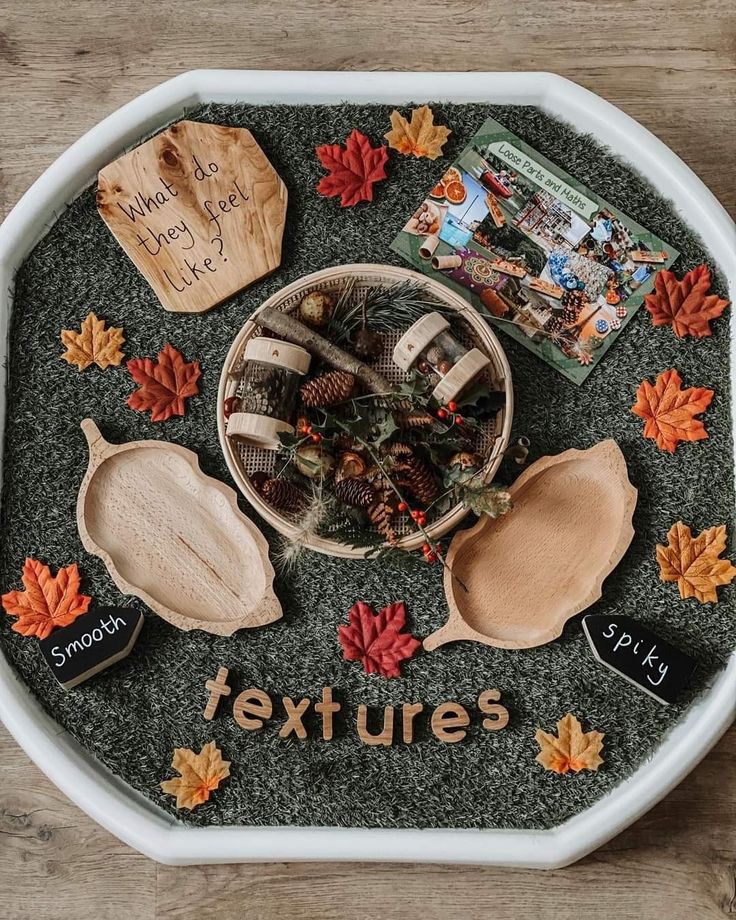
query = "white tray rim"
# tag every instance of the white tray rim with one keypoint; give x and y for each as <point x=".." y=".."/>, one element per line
<point x="125" y="812"/>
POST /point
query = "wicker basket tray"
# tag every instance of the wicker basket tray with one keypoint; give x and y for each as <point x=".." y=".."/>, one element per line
<point x="243" y="460"/>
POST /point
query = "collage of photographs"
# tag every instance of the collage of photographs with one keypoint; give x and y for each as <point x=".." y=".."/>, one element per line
<point x="551" y="263"/>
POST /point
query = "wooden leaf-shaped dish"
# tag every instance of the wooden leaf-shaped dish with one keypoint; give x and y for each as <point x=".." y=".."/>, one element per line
<point x="528" y="572"/>
<point x="174" y="537"/>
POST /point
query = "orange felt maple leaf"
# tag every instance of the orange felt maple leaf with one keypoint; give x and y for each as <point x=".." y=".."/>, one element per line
<point x="669" y="411"/>
<point x="48" y="601"/>
<point x="377" y="640"/>
<point x="685" y="305"/>
<point x="353" y="170"/>
<point x="200" y="774"/>
<point x="693" y="562"/>
<point x="420" y="137"/>
<point x="93" y="344"/>
<point x="571" y="749"/>
<point x="164" y="384"/>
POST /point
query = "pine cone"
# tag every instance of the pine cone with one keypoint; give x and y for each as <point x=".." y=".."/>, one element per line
<point x="415" y="419"/>
<point x="413" y="474"/>
<point x="283" y="495"/>
<point x="381" y="515"/>
<point x="355" y="492"/>
<point x="399" y="449"/>
<point x="328" y="389"/>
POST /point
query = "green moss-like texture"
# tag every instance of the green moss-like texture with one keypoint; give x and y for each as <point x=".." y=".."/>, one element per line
<point x="133" y="716"/>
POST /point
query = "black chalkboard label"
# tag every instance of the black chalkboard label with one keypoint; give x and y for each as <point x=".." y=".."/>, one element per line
<point x="639" y="655"/>
<point x="91" y="643"/>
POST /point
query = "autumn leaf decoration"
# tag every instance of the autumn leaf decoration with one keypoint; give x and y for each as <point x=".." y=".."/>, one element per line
<point x="377" y="640"/>
<point x="93" y="344"/>
<point x="353" y="170"/>
<point x="571" y="749"/>
<point x="48" y="601"/>
<point x="199" y="775"/>
<point x="669" y="411"/>
<point x="164" y="384"/>
<point x="694" y="563"/>
<point x="420" y="137"/>
<point x="685" y="305"/>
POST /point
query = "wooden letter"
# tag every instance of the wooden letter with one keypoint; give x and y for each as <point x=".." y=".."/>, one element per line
<point x="294" y="715"/>
<point x="252" y="702"/>
<point x="449" y="716"/>
<point x="386" y="736"/>
<point x="500" y="713"/>
<point x="327" y="709"/>
<point x="217" y="688"/>
<point x="408" y="712"/>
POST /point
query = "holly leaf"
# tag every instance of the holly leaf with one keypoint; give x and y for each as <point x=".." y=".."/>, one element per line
<point x="685" y="305"/>
<point x="164" y="384"/>
<point x="479" y="402"/>
<point x="571" y="749"/>
<point x="669" y="411"/>
<point x="377" y="640"/>
<point x="421" y="137"/>
<point x="200" y="774"/>
<point x="484" y="498"/>
<point x="48" y="601"/>
<point x="353" y="170"/>
<point x="693" y="562"/>
<point x="93" y="344"/>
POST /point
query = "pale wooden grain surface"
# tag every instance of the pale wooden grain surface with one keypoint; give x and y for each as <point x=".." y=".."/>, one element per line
<point x="63" y="66"/>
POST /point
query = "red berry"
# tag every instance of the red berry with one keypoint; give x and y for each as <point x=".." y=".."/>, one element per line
<point x="442" y="413"/>
<point x="315" y="438"/>
<point x="431" y="558"/>
<point x="416" y="515"/>
<point x="452" y="406"/>
<point x="426" y="549"/>
<point x="458" y="419"/>
<point x="403" y="506"/>
<point x="306" y="429"/>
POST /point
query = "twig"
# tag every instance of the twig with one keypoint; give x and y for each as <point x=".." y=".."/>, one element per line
<point x="296" y="332"/>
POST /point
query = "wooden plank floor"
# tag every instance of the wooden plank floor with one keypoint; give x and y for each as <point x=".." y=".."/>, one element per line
<point x="64" y="66"/>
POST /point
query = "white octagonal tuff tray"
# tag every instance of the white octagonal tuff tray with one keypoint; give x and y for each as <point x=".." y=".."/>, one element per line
<point x="122" y="810"/>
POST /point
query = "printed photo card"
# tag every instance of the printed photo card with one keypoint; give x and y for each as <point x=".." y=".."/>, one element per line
<point x="551" y="263"/>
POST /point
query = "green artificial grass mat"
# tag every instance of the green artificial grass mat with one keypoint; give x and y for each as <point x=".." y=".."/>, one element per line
<point x="133" y="716"/>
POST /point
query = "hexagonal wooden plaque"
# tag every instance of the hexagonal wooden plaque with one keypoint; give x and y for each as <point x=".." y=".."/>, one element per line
<point x="200" y="211"/>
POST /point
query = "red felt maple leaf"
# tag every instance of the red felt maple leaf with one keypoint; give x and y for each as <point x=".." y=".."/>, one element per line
<point x="164" y="384"/>
<point x="377" y="640"/>
<point x="47" y="601"/>
<point x="353" y="170"/>
<point x="685" y="305"/>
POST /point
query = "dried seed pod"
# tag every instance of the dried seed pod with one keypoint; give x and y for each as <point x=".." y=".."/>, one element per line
<point x="368" y="344"/>
<point x="314" y="462"/>
<point x="328" y="389"/>
<point x="349" y="466"/>
<point x="355" y="492"/>
<point x="466" y="460"/>
<point x="316" y="308"/>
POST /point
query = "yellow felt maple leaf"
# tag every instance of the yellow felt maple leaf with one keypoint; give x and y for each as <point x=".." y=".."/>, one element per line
<point x="93" y="344"/>
<point x="693" y="562"/>
<point x="200" y="774"/>
<point x="571" y="749"/>
<point x="420" y="137"/>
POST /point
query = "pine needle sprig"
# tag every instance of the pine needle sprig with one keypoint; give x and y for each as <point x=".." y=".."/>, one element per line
<point x="386" y="307"/>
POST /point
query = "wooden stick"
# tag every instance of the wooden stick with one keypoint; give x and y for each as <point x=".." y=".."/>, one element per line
<point x="294" y="331"/>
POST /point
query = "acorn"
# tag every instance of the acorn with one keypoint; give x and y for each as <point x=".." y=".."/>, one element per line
<point x="314" y="462"/>
<point x="316" y="308"/>
<point x="368" y="344"/>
